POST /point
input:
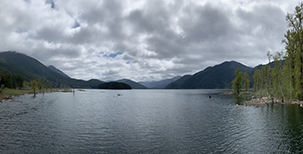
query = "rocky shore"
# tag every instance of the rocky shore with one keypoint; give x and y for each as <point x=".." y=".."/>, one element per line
<point x="258" y="102"/>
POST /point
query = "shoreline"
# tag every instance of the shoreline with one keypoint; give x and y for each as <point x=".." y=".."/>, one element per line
<point x="8" y="96"/>
<point x="262" y="101"/>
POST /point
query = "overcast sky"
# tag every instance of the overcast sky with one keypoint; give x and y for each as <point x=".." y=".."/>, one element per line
<point x="142" y="40"/>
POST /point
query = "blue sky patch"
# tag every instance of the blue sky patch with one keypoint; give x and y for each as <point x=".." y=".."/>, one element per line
<point x="113" y="55"/>
<point x="51" y="3"/>
<point x="76" y="25"/>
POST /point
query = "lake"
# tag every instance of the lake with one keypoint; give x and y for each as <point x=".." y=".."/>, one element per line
<point x="147" y="121"/>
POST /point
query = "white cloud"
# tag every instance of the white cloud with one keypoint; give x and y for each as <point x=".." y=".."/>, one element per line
<point x="147" y="40"/>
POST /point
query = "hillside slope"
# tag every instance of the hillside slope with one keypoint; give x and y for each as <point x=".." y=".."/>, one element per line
<point x="133" y="84"/>
<point x="53" y="68"/>
<point x="216" y="77"/>
<point x="31" y="69"/>
<point x="176" y="84"/>
<point x="159" y="84"/>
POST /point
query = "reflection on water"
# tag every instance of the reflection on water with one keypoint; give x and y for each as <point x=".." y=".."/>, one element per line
<point x="240" y="99"/>
<point x="147" y="121"/>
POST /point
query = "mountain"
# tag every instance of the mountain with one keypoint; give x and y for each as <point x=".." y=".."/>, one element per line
<point x="216" y="77"/>
<point x="5" y="68"/>
<point x="53" y="68"/>
<point x="219" y="76"/>
<point x="32" y="69"/>
<point x="178" y="82"/>
<point x="114" y="85"/>
<point x="134" y="85"/>
<point x="159" y="84"/>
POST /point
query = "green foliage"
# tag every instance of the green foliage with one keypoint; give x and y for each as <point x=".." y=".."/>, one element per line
<point x="7" y="91"/>
<point x="7" y="80"/>
<point x="47" y="85"/>
<point x="237" y="82"/>
<point x="294" y="52"/>
<point x="285" y="79"/>
<point x="216" y="77"/>
<point x="246" y="81"/>
<point x="39" y="84"/>
<point x="34" y="86"/>
<point x="11" y="81"/>
<point x="260" y="93"/>
<point x="257" y="79"/>
<point x="31" y="69"/>
<point x="66" y="90"/>
<point x="278" y="75"/>
<point x="1" y="88"/>
<point x="19" y="81"/>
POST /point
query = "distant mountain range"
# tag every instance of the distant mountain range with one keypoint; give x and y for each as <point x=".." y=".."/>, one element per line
<point x="178" y="83"/>
<point x="133" y="84"/>
<point x="216" y="77"/>
<point x="159" y="84"/>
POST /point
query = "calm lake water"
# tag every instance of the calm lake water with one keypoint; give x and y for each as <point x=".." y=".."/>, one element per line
<point x="147" y="121"/>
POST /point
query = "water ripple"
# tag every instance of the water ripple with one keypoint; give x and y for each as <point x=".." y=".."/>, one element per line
<point x="147" y="121"/>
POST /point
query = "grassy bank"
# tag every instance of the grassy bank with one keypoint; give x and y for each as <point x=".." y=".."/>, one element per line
<point x="10" y="93"/>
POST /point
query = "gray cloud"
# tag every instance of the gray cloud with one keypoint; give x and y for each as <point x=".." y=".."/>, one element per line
<point x="205" y="23"/>
<point x="142" y="40"/>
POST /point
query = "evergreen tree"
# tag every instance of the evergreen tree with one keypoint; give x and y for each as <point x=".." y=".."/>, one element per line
<point x="257" y="79"/>
<point x="19" y="81"/>
<point x="8" y="81"/>
<point x="289" y="74"/>
<point x="294" y="42"/>
<point x="34" y="86"/>
<point x="278" y="74"/>
<point x="237" y="82"/>
<point x="246" y="81"/>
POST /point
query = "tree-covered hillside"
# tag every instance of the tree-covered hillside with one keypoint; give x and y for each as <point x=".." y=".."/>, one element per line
<point x="216" y="77"/>
<point x="31" y="69"/>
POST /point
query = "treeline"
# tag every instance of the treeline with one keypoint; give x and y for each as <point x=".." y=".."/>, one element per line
<point x="18" y="82"/>
<point x="271" y="80"/>
<point x="11" y="81"/>
<point x="285" y="78"/>
<point x="241" y="81"/>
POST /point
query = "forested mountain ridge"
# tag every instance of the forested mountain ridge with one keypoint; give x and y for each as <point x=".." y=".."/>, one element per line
<point x="219" y="76"/>
<point x="216" y="77"/>
<point x="32" y="69"/>
<point x="132" y="84"/>
<point x="178" y="83"/>
<point x="53" y="68"/>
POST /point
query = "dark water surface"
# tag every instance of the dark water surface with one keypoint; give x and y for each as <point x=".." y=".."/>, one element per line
<point x="147" y="121"/>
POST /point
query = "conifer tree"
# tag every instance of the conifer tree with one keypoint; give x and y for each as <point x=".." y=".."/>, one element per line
<point x="237" y="82"/>
<point x="257" y="79"/>
<point x="246" y="81"/>
<point x="279" y="74"/>
<point x="294" y="42"/>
